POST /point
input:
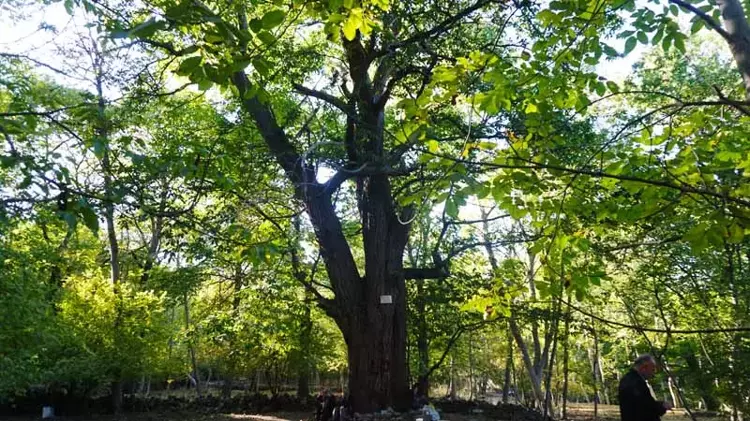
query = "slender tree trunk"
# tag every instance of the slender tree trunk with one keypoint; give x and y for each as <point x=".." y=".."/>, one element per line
<point x="306" y="324"/>
<point x="595" y="372"/>
<point x="452" y="381"/>
<point x="532" y="367"/>
<point x="423" y="351"/>
<point x="536" y="381"/>
<point x="672" y="394"/>
<point x="191" y="349"/>
<point x="303" y="375"/>
<point x="237" y="283"/>
<point x="471" y="366"/>
<point x="548" y="408"/>
<point x="566" y="359"/>
<point x="101" y="138"/>
<point x="508" y="368"/>
<point x="605" y="392"/>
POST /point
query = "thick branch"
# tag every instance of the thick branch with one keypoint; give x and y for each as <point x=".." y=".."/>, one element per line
<point x="285" y="153"/>
<point x="426" y="273"/>
<point x="344" y="174"/>
<point x="440" y="28"/>
<point x="336" y="102"/>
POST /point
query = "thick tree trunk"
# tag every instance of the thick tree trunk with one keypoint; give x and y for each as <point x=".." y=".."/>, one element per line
<point x="738" y="37"/>
<point x="377" y="357"/>
<point x="370" y="310"/>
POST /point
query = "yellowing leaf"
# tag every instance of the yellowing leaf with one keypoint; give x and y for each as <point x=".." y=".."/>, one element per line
<point x="352" y="23"/>
<point x="432" y="146"/>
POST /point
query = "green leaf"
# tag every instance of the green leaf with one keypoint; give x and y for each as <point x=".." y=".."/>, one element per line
<point x="90" y="218"/>
<point x="666" y="42"/>
<point x="697" y="26"/>
<point x="609" y="51"/>
<point x="255" y="25"/>
<point x="696" y="236"/>
<point x="613" y="87"/>
<point x="642" y="37"/>
<point x="205" y="84"/>
<point x="188" y="65"/>
<point x="630" y="45"/>
<point x="531" y="108"/>
<point x="451" y="209"/>
<point x="261" y="66"/>
<point x="266" y="38"/>
<point x="736" y="233"/>
<point x="147" y="28"/>
<point x="99" y="147"/>
<point x="273" y="19"/>
<point x="70" y="219"/>
<point x="679" y="43"/>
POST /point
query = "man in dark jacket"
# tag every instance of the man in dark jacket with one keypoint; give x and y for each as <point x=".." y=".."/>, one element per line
<point x="636" y="401"/>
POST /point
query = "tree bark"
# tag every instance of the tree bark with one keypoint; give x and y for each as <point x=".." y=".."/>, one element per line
<point x="423" y="351"/>
<point x="238" y="282"/>
<point x="101" y="136"/>
<point x="375" y="332"/>
<point x="595" y="372"/>
<point x="191" y="350"/>
<point x="735" y="22"/>
<point x="303" y="374"/>
<point x="536" y="366"/>
<point x="508" y="368"/>
<point x="566" y="359"/>
<point x="452" y="381"/>
<point x="535" y="380"/>
<point x="605" y="392"/>
<point x="548" y="404"/>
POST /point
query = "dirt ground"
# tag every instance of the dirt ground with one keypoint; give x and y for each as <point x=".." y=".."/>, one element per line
<point x="576" y="413"/>
<point x="585" y="412"/>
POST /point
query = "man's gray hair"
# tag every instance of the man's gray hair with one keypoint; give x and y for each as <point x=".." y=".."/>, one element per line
<point x="643" y="359"/>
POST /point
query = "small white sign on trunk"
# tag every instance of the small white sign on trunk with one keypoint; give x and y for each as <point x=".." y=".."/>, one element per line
<point x="386" y="299"/>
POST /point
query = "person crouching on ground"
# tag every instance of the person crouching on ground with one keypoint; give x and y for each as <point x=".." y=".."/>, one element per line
<point x="636" y="401"/>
